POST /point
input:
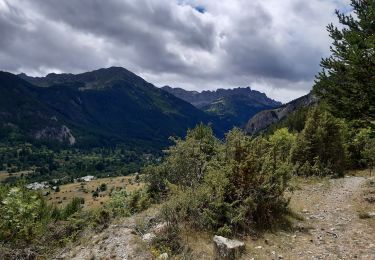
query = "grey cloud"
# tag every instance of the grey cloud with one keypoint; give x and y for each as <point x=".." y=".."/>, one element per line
<point x="232" y="43"/>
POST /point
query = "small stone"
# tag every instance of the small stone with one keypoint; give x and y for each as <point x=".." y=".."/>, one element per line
<point x="225" y="249"/>
<point x="163" y="256"/>
<point x="160" y="228"/>
<point x="258" y="247"/>
<point x="148" y="237"/>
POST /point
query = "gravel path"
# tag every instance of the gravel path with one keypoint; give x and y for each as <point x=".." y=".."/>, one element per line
<point x="116" y="242"/>
<point x="331" y="228"/>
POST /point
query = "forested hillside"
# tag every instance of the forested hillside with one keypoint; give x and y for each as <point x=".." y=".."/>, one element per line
<point x="233" y="107"/>
<point x="94" y="109"/>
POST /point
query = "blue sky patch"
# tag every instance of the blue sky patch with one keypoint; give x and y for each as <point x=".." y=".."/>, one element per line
<point x="200" y="9"/>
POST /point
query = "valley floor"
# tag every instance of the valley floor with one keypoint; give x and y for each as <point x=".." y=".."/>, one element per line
<point x="335" y="224"/>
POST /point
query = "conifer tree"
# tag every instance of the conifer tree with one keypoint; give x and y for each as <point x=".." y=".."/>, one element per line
<point x="320" y="145"/>
<point x="347" y="82"/>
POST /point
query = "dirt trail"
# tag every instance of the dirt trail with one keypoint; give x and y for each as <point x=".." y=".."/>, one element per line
<point x="118" y="241"/>
<point x="332" y="228"/>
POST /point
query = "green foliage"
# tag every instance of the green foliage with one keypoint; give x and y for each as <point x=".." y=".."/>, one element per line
<point x="187" y="159"/>
<point x="168" y="241"/>
<point x="72" y="207"/>
<point x="23" y="214"/>
<point x="226" y="187"/>
<point x="320" y="148"/>
<point x="102" y="219"/>
<point x="347" y="81"/>
<point x="27" y="221"/>
<point x="294" y="122"/>
<point x="103" y="187"/>
<point x="126" y="204"/>
<point x="368" y="153"/>
<point x="282" y="142"/>
<point x="45" y="164"/>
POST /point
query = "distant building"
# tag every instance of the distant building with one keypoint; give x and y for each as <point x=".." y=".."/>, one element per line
<point x="87" y="178"/>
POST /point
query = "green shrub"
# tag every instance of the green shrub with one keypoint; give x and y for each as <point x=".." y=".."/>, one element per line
<point x="23" y="214"/>
<point x="72" y="207"/>
<point x="101" y="219"/>
<point x="124" y="204"/>
<point x="240" y="184"/>
<point x="320" y="146"/>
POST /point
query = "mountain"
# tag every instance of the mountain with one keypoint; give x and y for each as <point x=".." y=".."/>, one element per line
<point x="233" y="107"/>
<point x="235" y="110"/>
<point x="204" y="98"/>
<point x="264" y="119"/>
<point x="101" y="107"/>
<point x="22" y="114"/>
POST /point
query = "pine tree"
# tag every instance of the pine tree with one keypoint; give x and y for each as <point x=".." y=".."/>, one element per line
<point x="320" y="144"/>
<point x="347" y="82"/>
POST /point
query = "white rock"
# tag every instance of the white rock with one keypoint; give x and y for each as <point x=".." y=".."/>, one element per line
<point x="148" y="237"/>
<point x="160" y="228"/>
<point x="163" y="256"/>
<point x="225" y="248"/>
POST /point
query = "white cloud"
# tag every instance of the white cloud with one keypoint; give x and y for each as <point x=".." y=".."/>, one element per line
<point x="274" y="46"/>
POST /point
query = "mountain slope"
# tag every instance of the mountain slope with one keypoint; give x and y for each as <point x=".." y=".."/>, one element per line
<point x="204" y="98"/>
<point x="107" y="106"/>
<point x="235" y="110"/>
<point x="233" y="107"/>
<point x="264" y="119"/>
<point x="24" y="116"/>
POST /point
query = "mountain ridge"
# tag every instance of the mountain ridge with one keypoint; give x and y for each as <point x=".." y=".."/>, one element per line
<point x="102" y="106"/>
<point x="233" y="107"/>
<point x="262" y="120"/>
<point x="205" y="97"/>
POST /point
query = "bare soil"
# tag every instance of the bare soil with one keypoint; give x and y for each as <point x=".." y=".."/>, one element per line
<point x="332" y="227"/>
<point x="333" y="223"/>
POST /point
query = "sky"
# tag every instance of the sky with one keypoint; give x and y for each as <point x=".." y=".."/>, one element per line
<point x="273" y="46"/>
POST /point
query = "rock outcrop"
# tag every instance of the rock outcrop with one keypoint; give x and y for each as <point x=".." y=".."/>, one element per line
<point x="227" y="249"/>
<point x="61" y="134"/>
<point x="264" y="119"/>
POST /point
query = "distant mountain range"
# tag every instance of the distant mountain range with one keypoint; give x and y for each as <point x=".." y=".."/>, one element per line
<point x="233" y="107"/>
<point x="114" y="106"/>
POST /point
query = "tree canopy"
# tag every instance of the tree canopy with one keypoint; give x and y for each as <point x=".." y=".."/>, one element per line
<point x="347" y="82"/>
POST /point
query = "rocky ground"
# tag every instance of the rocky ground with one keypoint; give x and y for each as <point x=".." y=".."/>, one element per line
<point x="336" y="222"/>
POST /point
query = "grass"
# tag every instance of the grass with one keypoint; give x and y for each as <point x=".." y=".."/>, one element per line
<point x="84" y="190"/>
<point x="4" y="175"/>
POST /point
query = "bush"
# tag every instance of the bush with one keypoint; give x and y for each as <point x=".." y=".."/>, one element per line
<point x="124" y="204"/>
<point x="240" y="184"/>
<point x="72" y="207"/>
<point x="23" y="214"/>
<point x="320" y="146"/>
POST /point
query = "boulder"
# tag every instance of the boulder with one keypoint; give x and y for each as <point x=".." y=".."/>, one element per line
<point x="148" y="237"/>
<point x="227" y="249"/>
<point x="160" y="228"/>
<point x="163" y="256"/>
